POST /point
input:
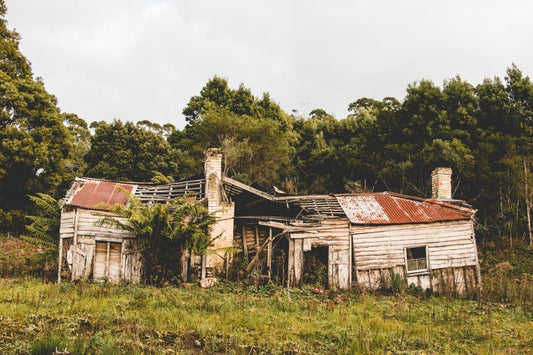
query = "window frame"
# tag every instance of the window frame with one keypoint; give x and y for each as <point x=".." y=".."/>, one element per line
<point x="420" y="270"/>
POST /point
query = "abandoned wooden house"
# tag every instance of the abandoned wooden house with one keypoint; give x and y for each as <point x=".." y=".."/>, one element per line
<point x="349" y="238"/>
<point x="88" y="250"/>
<point x="359" y="238"/>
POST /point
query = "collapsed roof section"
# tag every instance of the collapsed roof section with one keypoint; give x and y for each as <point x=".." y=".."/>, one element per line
<point x="361" y="209"/>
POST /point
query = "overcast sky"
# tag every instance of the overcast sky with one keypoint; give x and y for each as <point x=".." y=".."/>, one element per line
<point x="134" y="60"/>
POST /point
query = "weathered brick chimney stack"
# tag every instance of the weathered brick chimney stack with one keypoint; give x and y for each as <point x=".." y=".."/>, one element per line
<point x="222" y="229"/>
<point x="213" y="177"/>
<point x="441" y="184"/>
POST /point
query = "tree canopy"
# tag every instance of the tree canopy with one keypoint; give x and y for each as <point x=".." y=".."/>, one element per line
<point x="125" y="151"/>
<point x="255" y="135"/>
<point x="35" y="144"/>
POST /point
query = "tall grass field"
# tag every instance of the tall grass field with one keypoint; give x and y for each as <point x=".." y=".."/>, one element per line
<point x="37" y="316"/>
<point x="89" y="318"/>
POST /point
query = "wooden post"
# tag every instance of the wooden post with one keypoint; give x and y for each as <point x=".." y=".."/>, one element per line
<point x="350" y="239"/>
<point x="75" y="242"/>
<point x="244" y="244"/>
<point x="298" y="261"/>
<point x="107" y="261"/>
<point x="478" y="268"/>
<point x="184" y="262"/>
<point x="60" y="260"/>
<point x="269" y="253"/>
<point x="290" y="263"/>
<point x="257" y="238"/>
<point x="227" y="260"/>
<point x="465" y="280"/>
<point x="203" y="272"/>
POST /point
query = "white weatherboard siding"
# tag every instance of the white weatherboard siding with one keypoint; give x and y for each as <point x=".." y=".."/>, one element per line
<point x="87" y="225"/>
<point x="450" y="247"/>
<point x="450" y="244"/>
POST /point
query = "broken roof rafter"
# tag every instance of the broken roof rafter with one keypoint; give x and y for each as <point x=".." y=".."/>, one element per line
<point x="166" y="192"/>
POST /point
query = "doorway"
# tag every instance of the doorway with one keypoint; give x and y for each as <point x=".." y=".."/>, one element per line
<point x="316" y="266"/>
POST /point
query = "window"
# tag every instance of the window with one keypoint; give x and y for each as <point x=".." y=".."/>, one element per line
<point x="416" y="259"/>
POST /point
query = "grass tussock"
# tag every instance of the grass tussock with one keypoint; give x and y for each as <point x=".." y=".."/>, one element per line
<point x="88" y="318"/>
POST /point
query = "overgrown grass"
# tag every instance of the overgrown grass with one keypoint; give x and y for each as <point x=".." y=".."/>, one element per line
<point x="85" y="318"/>
<point x="88" y="318"/>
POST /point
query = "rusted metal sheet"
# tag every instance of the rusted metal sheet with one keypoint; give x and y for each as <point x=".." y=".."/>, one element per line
<point x="93" y="193"/>
<point x="390" y="208"/>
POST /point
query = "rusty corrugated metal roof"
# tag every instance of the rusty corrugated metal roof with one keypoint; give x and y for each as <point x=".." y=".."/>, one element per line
<point x="94" y="192"/>
<point x="391" y="208"/>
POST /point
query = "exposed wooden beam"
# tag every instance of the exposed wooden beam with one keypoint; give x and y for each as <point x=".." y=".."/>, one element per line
<point x="256" y="256"/>
<point x="248" y="188"/>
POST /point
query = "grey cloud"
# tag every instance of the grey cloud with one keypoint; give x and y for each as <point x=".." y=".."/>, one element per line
<point x="137" y="60"/>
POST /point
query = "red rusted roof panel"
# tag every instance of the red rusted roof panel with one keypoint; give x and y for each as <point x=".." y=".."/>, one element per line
<point x="389" y="208"/>
<point x="94" y="193"/>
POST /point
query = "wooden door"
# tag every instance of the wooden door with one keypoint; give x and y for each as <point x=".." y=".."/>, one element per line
<point x="113" y="273"/>
<point x="100" y="253"/>
<point x="339" y="268"/>
<point x="107" y="261"/>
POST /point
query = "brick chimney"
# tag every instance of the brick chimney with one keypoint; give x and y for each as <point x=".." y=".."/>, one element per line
<point x="441" y="184"/>
<point x="213" y="177"/>
<point x="223" y="210"/>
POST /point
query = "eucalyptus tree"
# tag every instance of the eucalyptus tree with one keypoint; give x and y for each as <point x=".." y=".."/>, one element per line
<point x="318" y="168"/>
<point x="241" y="101"/>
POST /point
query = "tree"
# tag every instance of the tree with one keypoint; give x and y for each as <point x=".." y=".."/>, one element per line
<point x="255" y="149"/>
<point x="255" y="135"/>
<point x="125" y="151"/>
<point x="316" y="158"/>
<point x="217" y="93"/>
<point x="81" y="139"/>
<point x="35" y="145"/>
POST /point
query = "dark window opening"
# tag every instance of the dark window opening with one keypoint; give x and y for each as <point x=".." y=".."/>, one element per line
<point x="416" y="259"/>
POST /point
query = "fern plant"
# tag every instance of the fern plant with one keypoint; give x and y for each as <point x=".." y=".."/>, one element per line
<point x="163" y="231"/>
<point x="44" y="227"/>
